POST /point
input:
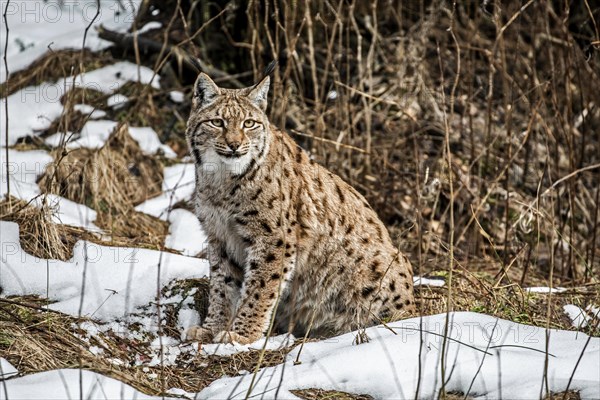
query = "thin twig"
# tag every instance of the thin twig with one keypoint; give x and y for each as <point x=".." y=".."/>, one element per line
<point x="6" y="100"/>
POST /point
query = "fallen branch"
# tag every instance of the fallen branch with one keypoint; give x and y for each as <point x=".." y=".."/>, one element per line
<point x="32" y="306"/>
<point x="148" y="46"/>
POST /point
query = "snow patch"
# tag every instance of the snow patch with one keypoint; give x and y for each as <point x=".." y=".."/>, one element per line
<point x="148" y="140"/>
<point x="64" y="384"/>
<point x="485" y="356"/>
<point x="187" y="318"/>
<point x="150" y="26"/>
<point x="24" y="168"/>
<point x="272" y="343"/>
<point x="594" y="311"/>
<point x="94" y="135"/>
<point x="33" y="108"/>
<point x="68" y="212"/>
<point x="99" y="281"/>
<point x="422" y="281"/>
<point x="578" y="316"/>
<point x="176" y="96"/>
<point x="545" y="289"/>
<point x="90" y="111"/>
<point x="6" y="369"/>
<point x="178" y="184"/>
<point x="117" y="101"/>
<point x="37" y="25"/>
<point x="185" y="233"/>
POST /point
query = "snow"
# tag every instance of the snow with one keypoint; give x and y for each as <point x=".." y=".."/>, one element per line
<point x="272" y="343"/>
<point x="90" y="111"/>
<point x="30" y="110"/>
<point x="178" y="184"/>
<point x="545" y="289"/>
<point x="99" y="281"/>
<point x="111" y="78"/>
<point x="185" y="233"/>
<point x="6" y="369"/>
<point x="581" y="318"/>
<point x="36" y="25"/>
<point x="578" y="316"/>
<point x="186" y="319"/>
<point x="176" y="96"/>
<point x="422" y="281"/>
<point x="65" y="211"/>
<point x="33" y="108"/>
<point x="170" y="350"/>
<point x="594" y="311"/>
<point x="24" y="168"/>
<point x="150" y="26"/>
<point x="493" y="357"/>
<point x="64" y="384"/>
<point x="95" y="133"/>
<point x="148" y="140"/>
<point x="117" y="101"/>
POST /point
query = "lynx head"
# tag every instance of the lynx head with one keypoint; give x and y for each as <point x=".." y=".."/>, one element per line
<point x="228" y="126"/>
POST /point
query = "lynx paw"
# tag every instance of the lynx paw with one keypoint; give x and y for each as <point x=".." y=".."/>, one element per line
<point x="198" y="333"/>
<point x="230" y="337"/>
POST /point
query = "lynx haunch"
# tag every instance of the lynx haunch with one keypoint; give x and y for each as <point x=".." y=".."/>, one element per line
<point x="285" y="234"/>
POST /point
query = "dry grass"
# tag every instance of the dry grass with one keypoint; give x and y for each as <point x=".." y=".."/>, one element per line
<point x="118" y="175"/>
<point x="313" y="394"/>
<point x="201" y="371"/>
<point x="35" y="340"/>
<point x="570" y="395"/>
<point x="112" y="180"/>
<point x="52" y="66"/>
<point x="38" y="234"/>
<point x="480" y="292"/>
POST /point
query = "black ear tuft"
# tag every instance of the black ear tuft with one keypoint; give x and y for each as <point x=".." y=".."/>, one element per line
<point x="270" y="68"/>
<point x="205" y="90"/>
<point x="258" y="93"/>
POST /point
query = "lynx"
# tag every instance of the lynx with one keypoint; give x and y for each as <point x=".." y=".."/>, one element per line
<point x="285" y="235"/>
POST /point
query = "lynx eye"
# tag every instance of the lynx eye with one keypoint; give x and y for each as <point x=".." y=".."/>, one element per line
<point x="217" y="122"/>
<point x="249" y="123"/>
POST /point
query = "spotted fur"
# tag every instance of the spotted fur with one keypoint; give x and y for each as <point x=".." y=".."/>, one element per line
<point x="283" y="231"/>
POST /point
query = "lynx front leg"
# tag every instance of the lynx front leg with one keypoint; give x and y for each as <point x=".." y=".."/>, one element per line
<point x="266" y="273"/>
<point x="223" y="293"/>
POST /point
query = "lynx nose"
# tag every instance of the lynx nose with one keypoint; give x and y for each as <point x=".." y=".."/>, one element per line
<point x="234" y="145"/>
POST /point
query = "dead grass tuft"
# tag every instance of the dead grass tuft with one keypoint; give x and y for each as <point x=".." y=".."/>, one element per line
<point x="116" y="176"/>
<point x="201" y="371"/>
<point x="112" y="180"/>
<point x="52" y="66"/>
<point x="314" y="394"/>
<point x="570" y="395"/>
<point x="38" y="234"/>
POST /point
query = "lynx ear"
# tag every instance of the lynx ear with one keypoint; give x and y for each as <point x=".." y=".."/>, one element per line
<point x="205" y="90"/>
<point x="258" y="93"/>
